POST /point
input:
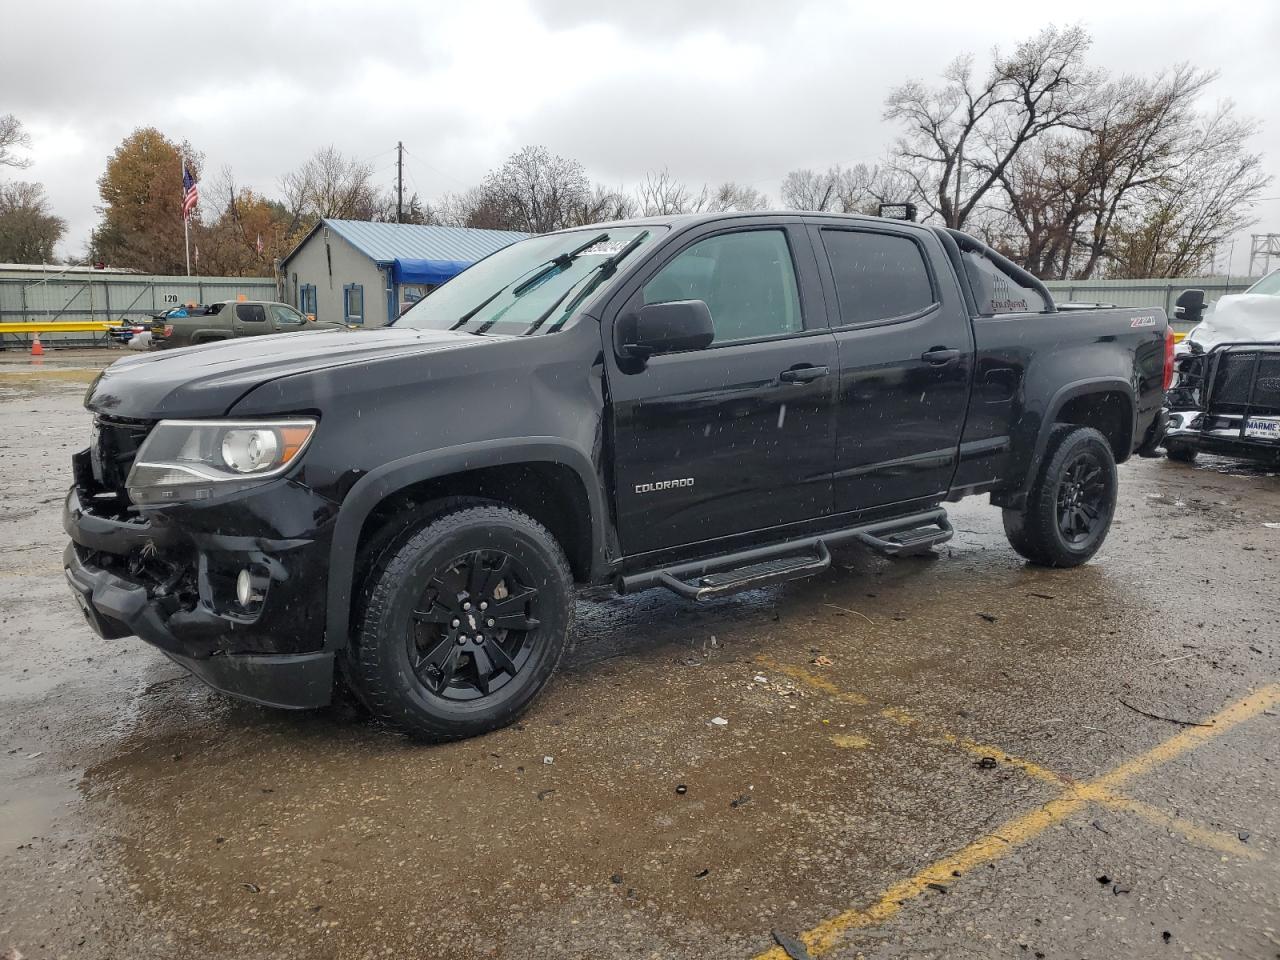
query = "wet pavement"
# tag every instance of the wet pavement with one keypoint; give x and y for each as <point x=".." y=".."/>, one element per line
<point x="953" y="757"/>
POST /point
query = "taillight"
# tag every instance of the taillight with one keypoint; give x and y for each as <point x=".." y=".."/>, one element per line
<point x="1168" y="358"/>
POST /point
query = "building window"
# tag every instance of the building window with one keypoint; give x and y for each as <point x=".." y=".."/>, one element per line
<point x="307" y="299"/>
<point x="353" y="303"/>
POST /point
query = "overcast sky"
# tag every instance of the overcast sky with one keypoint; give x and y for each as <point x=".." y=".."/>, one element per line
<point x="713" y="89"/>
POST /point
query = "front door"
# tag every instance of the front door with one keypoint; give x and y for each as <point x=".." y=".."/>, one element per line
<point x="906" y="360"/>
<point x="738" y="436"/>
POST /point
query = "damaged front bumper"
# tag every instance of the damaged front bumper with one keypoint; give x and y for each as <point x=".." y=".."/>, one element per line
<point x="170" y="579"/>
<point x="1224" y="434"/>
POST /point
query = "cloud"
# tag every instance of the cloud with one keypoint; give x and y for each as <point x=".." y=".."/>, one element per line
<point x="714" y="90"/>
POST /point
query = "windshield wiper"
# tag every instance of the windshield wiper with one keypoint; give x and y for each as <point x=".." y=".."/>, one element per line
<point x="559" y="263"/>
<point x="604" y="268"/>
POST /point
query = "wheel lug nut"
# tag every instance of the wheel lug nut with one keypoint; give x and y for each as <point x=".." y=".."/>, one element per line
<point x="466" y="605"/>
<point x="455" y="623"/>
<point x="479" y="638"/>
<point x="462" y="638"/>
<point x="490" y="622"/>
<point x="484" y="604"/>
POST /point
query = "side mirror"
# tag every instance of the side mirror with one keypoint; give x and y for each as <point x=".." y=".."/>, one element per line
<point x="665" y="328"/>
<point x="1189" y="306"/>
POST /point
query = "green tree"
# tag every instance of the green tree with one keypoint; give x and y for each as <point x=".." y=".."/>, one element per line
<point x="141" y="192"/>
<point x="28" y="231"/>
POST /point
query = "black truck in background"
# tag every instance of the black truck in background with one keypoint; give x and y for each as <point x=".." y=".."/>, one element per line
<point x="704" y="403"/>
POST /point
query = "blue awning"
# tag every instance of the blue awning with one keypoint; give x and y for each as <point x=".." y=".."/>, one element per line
<point x="426" y="271"/>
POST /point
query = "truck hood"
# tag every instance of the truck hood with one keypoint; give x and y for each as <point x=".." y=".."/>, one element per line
<point x="207" y="380"/>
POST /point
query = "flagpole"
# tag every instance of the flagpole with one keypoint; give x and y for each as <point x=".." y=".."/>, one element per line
<point x="186" y="220"/>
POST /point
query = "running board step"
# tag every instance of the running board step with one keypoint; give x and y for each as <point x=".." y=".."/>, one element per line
<point x="908" y="542"/>
<point x="750" y="577"/>
<point x="789" y="560"/>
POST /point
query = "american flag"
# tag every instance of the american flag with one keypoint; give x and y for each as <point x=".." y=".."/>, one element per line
<point x="190" y="192"/>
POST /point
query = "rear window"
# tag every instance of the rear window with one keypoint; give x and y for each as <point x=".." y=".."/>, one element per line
<point x="995" y="291"/>
<point x="879" y="276"/>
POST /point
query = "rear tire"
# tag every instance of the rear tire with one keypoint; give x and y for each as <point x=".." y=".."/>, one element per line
<point x="1071" y="501"/>
<point x="463" y="623"/>
<point x="1181" y="452"/>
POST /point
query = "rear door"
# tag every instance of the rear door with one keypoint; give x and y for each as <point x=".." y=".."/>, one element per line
<point x="250" y="320"/>
<point x="736" y="437"/>
<point x="906" y="362"/>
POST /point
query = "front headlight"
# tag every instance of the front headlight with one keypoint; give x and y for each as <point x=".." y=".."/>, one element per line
<point x="185" y="460"/>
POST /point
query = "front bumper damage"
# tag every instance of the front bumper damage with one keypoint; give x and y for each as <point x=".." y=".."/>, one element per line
<point x="1227" y="401"/>
<point x="169" y="579"/>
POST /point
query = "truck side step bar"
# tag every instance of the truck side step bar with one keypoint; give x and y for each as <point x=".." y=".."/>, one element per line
<point x="790" y="560"/>
<point x="908" y="542"/>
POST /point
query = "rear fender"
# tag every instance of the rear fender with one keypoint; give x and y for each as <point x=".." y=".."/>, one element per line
<point x="1031" y="437"/>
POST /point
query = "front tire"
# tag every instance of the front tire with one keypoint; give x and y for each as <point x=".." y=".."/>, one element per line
<point x="1071" y="501"/>
<point x="463" y="623"/>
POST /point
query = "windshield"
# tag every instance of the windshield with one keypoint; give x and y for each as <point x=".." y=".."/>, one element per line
<point x="530" y="288"/>
<point x="1268" y="286"/>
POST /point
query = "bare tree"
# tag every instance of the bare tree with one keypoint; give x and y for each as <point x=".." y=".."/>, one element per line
<point x="534" y="191"/>
<point x="13" y="137"/>
<point x="1145" y="166"/>
<point x="731" y="196"/>
<point x="856" y="189"/>
<point x="602" y="205"/>
<point x="329" y="185"/>
<point x="1184" y="216"/>
<point x="961" y="137"/>
<point x="660" y="194"/>
<point x="808" y="190"/>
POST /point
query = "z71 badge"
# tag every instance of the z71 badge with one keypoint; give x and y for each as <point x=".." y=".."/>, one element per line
<point x="663" y="485"/>
<point x="1147" y="321"/>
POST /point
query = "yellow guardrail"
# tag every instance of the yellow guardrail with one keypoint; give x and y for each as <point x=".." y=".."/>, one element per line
<point x="67" y="326"/>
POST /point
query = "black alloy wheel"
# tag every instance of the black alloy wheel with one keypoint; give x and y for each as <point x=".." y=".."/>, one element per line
<point x="1069" y="502"/>
<point x="1082" y="498"/>
<point x="464" y="617"/>
<point x="471" y="629"/>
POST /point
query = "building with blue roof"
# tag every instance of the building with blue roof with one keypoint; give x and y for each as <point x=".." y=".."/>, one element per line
<point x="367" y="273"/>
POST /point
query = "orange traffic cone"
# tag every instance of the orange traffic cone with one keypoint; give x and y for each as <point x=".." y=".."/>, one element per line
<point x="37" y="348"/>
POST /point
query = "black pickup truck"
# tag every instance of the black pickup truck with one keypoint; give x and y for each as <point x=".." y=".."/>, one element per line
<point x="706" y="404"/>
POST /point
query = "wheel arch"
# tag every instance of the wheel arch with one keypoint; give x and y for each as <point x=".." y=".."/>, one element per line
<point x="1107" y="404"/>
<point x="552" y="481"/>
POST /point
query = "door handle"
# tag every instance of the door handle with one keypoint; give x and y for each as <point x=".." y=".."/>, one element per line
<point x="940" y="356"/>
<point x="803" y="373"/>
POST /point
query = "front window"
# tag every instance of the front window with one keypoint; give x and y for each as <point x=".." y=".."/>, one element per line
<point x="532" y="287"/>
<point x="746" y="280"/>
<point x="1268" y="286"/>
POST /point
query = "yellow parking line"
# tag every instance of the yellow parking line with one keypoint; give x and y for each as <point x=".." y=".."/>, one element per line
<point x="1228" y="843"/>
<point x="1028" y="826"/>
<point x="821" y="684"/>
<point x="1031" y="769"/>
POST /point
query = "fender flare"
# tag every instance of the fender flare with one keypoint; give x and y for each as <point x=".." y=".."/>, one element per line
<point x="1061" y="397"/>
<point x="386" y="480"/>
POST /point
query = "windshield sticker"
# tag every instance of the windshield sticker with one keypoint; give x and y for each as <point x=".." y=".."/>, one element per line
<point x="605" y="248"/>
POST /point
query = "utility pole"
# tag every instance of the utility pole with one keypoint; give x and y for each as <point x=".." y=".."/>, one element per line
<point x="399" y="181"/>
